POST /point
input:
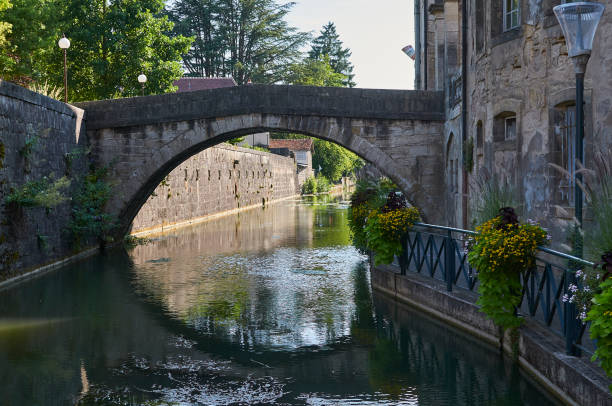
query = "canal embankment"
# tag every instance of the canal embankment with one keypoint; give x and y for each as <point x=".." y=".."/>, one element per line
<point x="573" y="380"/>
<point x="43" y="153"/>
<point x="45" y="163"/>
<point x="218" y="181"/>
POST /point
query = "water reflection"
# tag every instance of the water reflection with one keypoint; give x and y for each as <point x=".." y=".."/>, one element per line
<point x="228" y="313"/>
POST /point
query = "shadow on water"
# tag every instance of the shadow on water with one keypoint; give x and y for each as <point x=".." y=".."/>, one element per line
<point x="262" y="308"/>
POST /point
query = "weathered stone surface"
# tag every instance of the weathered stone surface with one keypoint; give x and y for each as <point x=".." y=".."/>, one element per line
<point x="33" y="236"/>
<point x="218" y="179"/>
<point x="143" y="139"/>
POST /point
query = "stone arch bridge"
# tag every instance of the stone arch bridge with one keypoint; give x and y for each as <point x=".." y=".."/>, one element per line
<point x="143" y="139"/>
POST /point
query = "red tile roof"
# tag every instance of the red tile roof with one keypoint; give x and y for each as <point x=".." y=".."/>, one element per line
<point x="189" y="84"/>
<point x="292" y="145"/>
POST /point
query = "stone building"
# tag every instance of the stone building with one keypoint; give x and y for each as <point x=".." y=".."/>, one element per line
<point x="510" y="100"/>
<point x="302" y="150"/>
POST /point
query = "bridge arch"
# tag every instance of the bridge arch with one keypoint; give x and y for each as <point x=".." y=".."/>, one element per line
<point x="143" y="139"/>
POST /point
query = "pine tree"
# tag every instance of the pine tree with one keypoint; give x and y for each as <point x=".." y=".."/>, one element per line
<point x="328" y="43"/>
<point x="245" y="39"/>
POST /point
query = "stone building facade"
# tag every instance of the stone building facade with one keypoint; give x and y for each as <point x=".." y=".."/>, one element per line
<point x="510" y="100"/>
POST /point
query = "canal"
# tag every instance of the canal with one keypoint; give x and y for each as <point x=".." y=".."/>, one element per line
<point x="269" y="306"/>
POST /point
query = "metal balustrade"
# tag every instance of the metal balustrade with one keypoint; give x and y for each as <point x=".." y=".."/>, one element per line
<point x="439" y="252"/>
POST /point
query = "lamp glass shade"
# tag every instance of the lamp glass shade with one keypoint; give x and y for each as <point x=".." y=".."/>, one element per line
<point x="409" y="50"/>
<point x="142" y="78"/>
<point x="64" y="43"/>
<point x="579" y="22"/>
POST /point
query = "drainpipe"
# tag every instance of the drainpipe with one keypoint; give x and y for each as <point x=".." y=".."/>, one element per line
<point x="425" y="47"/>
<point x="464" y="94"/>
<point x="417" y="36"/>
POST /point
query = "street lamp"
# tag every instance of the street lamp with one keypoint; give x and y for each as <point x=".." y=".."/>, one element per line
<point x="142" y="79"/>
<point x="409" y="50"/>
<point x="579" y="22"/>
<point x="64" y="43"/>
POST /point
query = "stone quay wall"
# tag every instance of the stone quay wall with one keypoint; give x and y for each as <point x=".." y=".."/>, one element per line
<point x="219" y="179"/>
<point x="39" y="137"/>
<point x="573" y="380"/>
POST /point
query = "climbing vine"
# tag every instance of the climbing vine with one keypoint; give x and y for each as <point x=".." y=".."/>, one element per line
<point x="89" y="219"/>
<point x="38" y="193"/>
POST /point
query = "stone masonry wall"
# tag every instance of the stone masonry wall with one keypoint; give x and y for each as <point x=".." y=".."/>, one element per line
<point x="39" y="137"/>
<point x="527" y="72"/>
<point x="218" y="179"/>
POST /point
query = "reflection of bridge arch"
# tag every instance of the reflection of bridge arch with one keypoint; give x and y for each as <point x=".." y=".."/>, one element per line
<point x="146" y="138"/>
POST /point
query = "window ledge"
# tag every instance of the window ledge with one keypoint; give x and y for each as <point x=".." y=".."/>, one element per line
<point x="504" y="145"/>
<point x="506" y="36"/>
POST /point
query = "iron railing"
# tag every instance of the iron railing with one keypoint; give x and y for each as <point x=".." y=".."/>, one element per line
<point x="439" y="252"/>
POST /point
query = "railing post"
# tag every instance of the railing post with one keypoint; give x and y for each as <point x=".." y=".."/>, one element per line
<point x="403" y="259"/>
<point x="449" y="252"/>
<point x="571" y="325"/>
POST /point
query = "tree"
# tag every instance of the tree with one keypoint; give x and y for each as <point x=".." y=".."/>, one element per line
<point x="112" y="41"/>
<point x="245" y="39"/>
<point x="334" y="160"/>
<point x="33" y="35"/>
<point x="328" y="43"/>
<point x="5" y="29"/>
<point x="200" y="20"/>
<point x="315" y="72"/>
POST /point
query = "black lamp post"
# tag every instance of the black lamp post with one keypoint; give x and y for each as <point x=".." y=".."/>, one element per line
<point x="579" y="22"/>
<point x="64" y="44"/>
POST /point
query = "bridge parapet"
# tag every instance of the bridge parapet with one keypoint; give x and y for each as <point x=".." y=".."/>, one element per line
<point x="266" y="99"/>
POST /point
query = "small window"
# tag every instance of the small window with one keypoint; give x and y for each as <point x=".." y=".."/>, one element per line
<point x="510" y="128"/>
<point x="511" y="14"/>
<point x="301" y="156"/>
<point x="480" y="25"/>
<point x="479" y="135"/>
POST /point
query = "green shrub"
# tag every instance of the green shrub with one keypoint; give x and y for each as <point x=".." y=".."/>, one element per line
<point x="323" y="185"/>
<point x="131" y="241"/>
<point x="310" y="186"/>
<point x="600" y="316"/>
<point x="39" y="193"/>
<point x="88" y="216"/>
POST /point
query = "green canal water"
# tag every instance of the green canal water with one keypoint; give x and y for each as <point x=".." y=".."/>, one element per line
<point x="270" y="306"/>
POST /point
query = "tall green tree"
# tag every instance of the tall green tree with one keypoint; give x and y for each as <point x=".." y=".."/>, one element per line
<point x="333" y="160"/>
<point x="315" y="72"/>
<point x="200" y="19"/>
<point x="112" y="42"/>
<point x="5" y="29"/>
<point x="33" y="40"/>
<point x="328" y="43"/>
<point x="245" y="39"/>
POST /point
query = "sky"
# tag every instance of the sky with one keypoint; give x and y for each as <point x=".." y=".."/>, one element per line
<point x="375" y="31"/>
